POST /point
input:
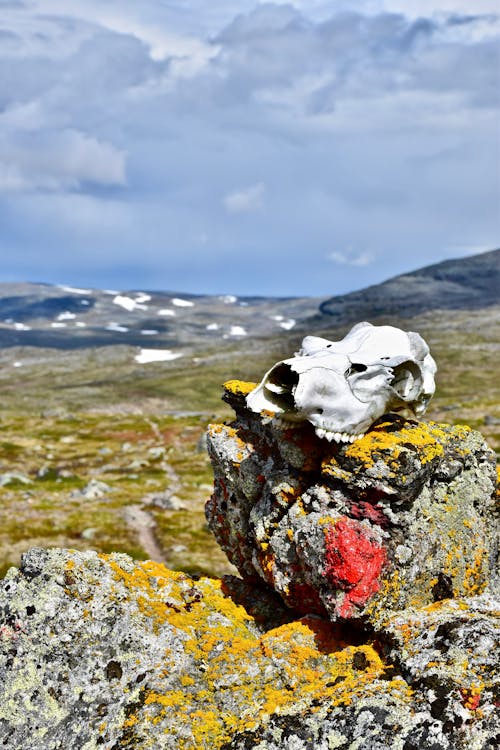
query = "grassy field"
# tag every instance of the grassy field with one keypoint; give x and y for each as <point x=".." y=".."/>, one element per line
<point x="93" y="446"/>
<point x="80" y="481"/>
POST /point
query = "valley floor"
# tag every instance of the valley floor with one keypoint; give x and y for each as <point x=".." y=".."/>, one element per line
<point x="98" y="452"/>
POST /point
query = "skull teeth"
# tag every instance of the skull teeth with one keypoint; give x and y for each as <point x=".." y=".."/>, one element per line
<point x="338" y="437"/>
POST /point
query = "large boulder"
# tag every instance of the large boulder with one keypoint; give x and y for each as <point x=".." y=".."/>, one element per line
<point x="99" y="651"/>
<point x="400" y="518"/>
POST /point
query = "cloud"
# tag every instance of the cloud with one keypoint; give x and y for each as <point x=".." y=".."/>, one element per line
<point x="245" y="200"/>
<point x="349" y="57"/>
<point x="429" y="7"/>
<point x="148" y="132"/>
<point x="348" y="258"/>
<point x="12" y="4"/>
<point x="64" y="160"/>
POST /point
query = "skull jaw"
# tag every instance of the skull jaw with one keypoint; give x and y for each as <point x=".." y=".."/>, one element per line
<point x="341" y="416"/>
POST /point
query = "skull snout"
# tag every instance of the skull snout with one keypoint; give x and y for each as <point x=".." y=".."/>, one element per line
<point x="324" y="398"/>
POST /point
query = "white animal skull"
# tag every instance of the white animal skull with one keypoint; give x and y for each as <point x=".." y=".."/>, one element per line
<point x="342" y="387"/>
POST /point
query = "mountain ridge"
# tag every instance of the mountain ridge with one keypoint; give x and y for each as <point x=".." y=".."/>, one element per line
<point x="471" y="282"/>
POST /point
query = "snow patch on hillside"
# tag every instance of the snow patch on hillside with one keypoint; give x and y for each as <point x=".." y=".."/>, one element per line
<point x="156" y="355"/>
<point x="116" y="327"/>
<point x="128" y="303"/>
<point x="75" y="290"/>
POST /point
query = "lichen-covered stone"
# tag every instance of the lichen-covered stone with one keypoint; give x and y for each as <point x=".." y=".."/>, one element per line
<point x="450" y="651"/>
<point x="399" y="518"/>
<point x="99" y="651"/>
<point x="383" y="721"/>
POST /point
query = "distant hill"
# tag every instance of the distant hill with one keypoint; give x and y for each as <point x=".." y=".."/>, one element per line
<point x="69" y="318"/>
<point x="63" y="317"/>
<point x="465" y="283"/>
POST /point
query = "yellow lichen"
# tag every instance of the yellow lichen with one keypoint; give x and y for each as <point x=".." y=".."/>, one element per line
<point x="239" y="387"/>
<point x="474" y="581"/>
<point x="425" y="438"/>
<point x="301" y="661"/>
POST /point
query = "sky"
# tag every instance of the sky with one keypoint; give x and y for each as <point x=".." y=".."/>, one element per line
<point x="252" y="148"/>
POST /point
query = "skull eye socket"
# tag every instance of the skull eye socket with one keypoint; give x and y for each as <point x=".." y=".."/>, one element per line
<point x="407" y="380"/>
<point x="355" y="368"/>
<point x="280" y="387"/>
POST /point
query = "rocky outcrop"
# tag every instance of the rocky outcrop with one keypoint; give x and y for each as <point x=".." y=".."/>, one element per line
<point x="400" y="518"/>
<point x="97" y="652"/>
<point x="364" y="618"/>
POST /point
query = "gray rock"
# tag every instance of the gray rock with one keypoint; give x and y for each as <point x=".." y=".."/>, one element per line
<point x="93" y="490"/>
<point x="165" y="500"/>
<point x="89" y="533"/>
<point x="11" y="477"/>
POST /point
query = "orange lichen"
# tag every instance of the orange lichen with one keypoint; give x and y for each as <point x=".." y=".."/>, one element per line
<point x="331" y="468"/>
<point x="289" y="494"/>
<point x="474" y="581"/>
<point x="471" y="696"/>
<point x="444" y="604"/>
<point x="391" y="590"/>
<point x="228" y="431"/>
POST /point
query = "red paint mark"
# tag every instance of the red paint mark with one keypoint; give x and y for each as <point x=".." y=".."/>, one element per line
<point x="12" y="632"/>
<point x="354" y="560"/>
<point x="222" y="485"/>
<point x="217" y="521"/>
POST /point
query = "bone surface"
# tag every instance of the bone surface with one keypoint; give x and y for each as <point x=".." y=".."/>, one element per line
<point x="343" y="387"/>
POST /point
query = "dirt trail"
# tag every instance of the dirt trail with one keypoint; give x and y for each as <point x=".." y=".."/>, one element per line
<point x="143" y="526"/>
<point x="142" y="522"/>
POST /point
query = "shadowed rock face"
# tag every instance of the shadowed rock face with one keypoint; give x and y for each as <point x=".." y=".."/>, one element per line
<point x="398" y="518"/>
